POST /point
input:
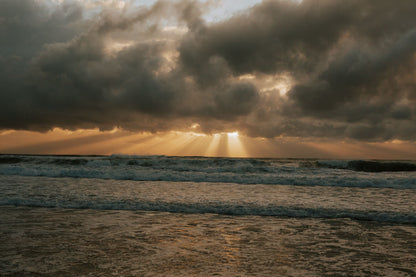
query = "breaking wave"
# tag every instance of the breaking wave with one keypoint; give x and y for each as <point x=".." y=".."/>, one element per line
<point x="369" y="166"/>
<point x="222" y="208"/>
<point x="357" y="173"/>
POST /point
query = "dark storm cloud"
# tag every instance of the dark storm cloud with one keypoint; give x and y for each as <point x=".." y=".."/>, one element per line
<point x="351" y="65"/>
<point x="25" y="27"/>
<point x="77" y="83"/>
<point x="274" y="36"/>
<point x="349" y="61"/>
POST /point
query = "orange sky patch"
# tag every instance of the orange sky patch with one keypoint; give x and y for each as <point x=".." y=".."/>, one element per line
<point x="117" y="141"/>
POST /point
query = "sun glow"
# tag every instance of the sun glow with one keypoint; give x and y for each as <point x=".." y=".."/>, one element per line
<point x="235" y="146"/>
<point x="226" y="144"/>
<point x="233" y="135"/>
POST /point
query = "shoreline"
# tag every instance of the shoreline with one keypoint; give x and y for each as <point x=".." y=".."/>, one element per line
<point x="67" y="242"/>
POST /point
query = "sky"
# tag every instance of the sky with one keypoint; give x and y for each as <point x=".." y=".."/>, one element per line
<point x="273" y="78"/>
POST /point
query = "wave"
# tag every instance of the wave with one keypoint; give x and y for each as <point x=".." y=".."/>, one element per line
<point x="369" y="166"/>
<point x="178" y="163"/>
<point x="10" y="160"/>
<point x="225" y="164"/>
<point x="298" y="179"/>
<point x="216" y="170"/>
<point x="221" y="208"/>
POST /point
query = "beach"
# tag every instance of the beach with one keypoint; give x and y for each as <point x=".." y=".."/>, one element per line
<point x="108" y="216"/>
<point x="67" y="242"/>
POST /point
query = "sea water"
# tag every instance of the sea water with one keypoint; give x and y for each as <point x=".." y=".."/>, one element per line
<point x="195" y="216"/>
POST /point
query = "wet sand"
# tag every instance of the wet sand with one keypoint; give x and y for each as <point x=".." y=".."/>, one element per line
<point x="77" y="242"/>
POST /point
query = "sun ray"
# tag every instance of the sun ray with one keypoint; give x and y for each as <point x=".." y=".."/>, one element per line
<point x="235" y="147"/>
<point x="58" y="141"/>
<point x="198" y="147"/>
<point x="187" y="147"/>
<point x="222" y="147"/>
<point x="213" y="145"/>
<point x="159" y="145"/>
<point x="133" y="145"/>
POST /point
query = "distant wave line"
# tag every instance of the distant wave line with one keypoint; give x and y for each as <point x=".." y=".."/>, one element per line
<point x="223" y="209"/>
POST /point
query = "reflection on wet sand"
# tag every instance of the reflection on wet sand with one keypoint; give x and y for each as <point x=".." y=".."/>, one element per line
<point x="65" y="242"/>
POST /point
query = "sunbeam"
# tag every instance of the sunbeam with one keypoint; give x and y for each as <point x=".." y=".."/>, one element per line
<point x="235" y="147"/>
<point x="213" y="146"/>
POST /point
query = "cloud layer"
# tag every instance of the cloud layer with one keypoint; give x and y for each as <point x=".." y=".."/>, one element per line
<point x="324" y="68"/>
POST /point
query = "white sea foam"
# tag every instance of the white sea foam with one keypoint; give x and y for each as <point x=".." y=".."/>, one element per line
<point x="179" y="204"/>
<point x="216" y="170"/>
<point x="378" y="204"/>
<point x="219" y="208"/>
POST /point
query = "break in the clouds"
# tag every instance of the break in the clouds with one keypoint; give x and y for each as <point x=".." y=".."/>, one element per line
<point x="306" y="68"/>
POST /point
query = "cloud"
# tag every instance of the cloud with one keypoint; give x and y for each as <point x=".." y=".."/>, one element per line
<point x="350" y="66"/>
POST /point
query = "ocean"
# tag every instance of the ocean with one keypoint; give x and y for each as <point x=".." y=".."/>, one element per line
<point x="199" y="216"/>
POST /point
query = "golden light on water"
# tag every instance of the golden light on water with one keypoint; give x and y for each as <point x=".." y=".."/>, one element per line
<point x="227" y="144"/>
